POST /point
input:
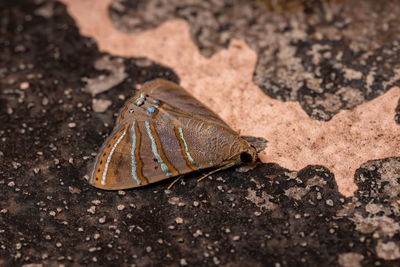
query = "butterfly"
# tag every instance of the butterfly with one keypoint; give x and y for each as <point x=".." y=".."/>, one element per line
<point x="165" y="132"/>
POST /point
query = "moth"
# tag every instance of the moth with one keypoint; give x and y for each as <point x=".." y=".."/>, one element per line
<point x="165" y="132"/>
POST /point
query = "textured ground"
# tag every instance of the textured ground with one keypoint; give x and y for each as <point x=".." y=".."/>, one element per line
<point x="60" y="95"/>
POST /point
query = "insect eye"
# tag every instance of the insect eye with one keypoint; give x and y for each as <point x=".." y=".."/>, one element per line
<point x="246" y="157"/>
<point x="131" y="111"/>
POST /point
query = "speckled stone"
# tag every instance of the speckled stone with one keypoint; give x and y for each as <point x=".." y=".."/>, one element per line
<point x="49" y="214"/>
<point x="330" y="55"/>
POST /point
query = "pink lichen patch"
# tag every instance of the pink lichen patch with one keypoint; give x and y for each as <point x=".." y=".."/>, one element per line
<point x="224" y="83"/>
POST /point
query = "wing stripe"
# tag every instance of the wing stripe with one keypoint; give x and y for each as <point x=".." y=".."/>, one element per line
<point x="187" y="149"/>
<point x="103" y="180"/>
<point x="136" y="162"/>
<point x="183" y="150"/>
<point x="167" y="167"/>
<point x="137" y="155"/>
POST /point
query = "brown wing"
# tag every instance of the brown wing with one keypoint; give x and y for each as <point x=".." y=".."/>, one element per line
<point x="131" y="157"/>
<point x="171" y="100"/>
<point x="180" y="99"/>
<point x="163" y="132"/>
<point x="113" y="165"/>
<point x="142" y="152"/>
<point x="169" y="150"/>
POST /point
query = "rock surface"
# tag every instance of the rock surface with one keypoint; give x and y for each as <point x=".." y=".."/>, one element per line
<point x="50" y="135"/>
<point x="224" y="83"/>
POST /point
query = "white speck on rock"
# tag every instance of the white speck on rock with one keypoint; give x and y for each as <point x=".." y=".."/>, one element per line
<point x="16" y="165"/>
<point x="72" y="125"/>
<point x="262" y="202"/>
<point x="173" y="200"/>
<point x="46" y="10"/>
<point x="100" y="105"/>
<point x="236" y="238"/>
<point x="388" y="251"/>
<point x="92" y="210"/>
<point x="24" y="85"/>
<point x="74" y="190"/>
<point x="216" y="261"/>
<point x="96" y="201"/>
<point x="351" y="74"/>
<point x="103" y="83"/>
<point x="35" y="264"/>
<point x="102" y="219"/>
<point x="183" y="262"/>
<point x="198" y="233"/>
<point x="329" y="202"/>
<point x="45" y="101"/>
<point x="350" y="259"/>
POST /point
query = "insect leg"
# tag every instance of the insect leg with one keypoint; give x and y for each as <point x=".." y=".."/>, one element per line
<point x="175" y="181"/>
<point x="217" y="170"/>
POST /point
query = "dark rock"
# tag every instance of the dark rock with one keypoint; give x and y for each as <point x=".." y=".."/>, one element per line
<point x="329" y="55"/>
<point x="50" y="215"/>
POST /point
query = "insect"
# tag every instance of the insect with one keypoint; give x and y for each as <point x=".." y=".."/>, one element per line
<point x="165" y="132"/>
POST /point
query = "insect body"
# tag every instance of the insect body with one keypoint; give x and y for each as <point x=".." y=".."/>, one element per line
<point x="164" y="132"/>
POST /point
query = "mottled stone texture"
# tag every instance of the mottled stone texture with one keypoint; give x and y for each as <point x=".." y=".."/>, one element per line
<point x="224" y="83"/>
<point x="49" y="215"/>
<point x="332" y="57"/>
